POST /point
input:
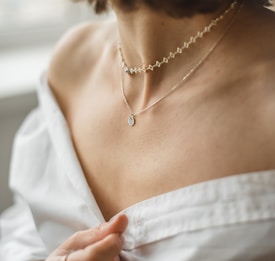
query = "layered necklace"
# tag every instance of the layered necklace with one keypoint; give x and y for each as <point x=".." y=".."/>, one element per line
<point x="158" y="64"/>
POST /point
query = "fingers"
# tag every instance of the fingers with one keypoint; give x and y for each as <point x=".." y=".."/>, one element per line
<point x="105" y="250"/>
<point x="102" y="243"/>
<point x="117" y="225"/>
<point x="83" y="239"/>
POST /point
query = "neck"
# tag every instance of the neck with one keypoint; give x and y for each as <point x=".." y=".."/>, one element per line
<point x="147" y="36"/>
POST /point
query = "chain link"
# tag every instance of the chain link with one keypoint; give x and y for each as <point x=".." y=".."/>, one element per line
<point x="132" y="117"/>
<point x="192" y="40"/>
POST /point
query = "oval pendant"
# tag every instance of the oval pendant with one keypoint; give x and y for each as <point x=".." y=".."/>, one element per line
<point x="131" y="120"/>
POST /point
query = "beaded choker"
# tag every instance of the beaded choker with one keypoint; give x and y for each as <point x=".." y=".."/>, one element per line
<point x="133" y="115"/>
<point x="192" y="40"/>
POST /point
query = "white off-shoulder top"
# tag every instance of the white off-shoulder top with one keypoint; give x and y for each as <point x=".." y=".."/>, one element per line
<point x="226" y="219"/>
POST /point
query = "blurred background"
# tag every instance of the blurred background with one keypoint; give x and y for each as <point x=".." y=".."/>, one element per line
<point x="29" y="30"/>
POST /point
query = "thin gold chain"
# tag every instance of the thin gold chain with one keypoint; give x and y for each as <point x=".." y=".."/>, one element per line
<point x="192" y="40"/>
<point x="132" y="117"/>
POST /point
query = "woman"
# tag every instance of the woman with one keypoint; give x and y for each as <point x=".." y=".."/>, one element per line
<point x="173" y="135"/>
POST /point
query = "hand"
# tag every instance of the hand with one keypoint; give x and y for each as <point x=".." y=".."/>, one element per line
<point x="102" y="243"/>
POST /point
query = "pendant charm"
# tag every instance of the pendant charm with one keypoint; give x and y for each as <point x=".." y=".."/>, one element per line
<point x="131" y="120"/>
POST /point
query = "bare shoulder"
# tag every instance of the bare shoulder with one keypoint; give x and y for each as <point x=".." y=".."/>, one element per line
<point x="253" y="73"/>
<point x="256" y="49"/>
<point x="260" y="71"/>
<point x="261" y="74"/>
<point x="264" y="50"/>
<point x="77" y="54"/>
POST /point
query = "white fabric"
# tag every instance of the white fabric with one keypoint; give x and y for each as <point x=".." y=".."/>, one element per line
<point x="227" y="219"/>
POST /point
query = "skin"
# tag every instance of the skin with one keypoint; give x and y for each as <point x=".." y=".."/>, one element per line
<point x="219" y="123"/>
<point x="101" y="243"/>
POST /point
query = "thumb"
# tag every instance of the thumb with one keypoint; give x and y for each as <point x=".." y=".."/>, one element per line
<point x="116" y="225"/>
<point x="82" y="239"/>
